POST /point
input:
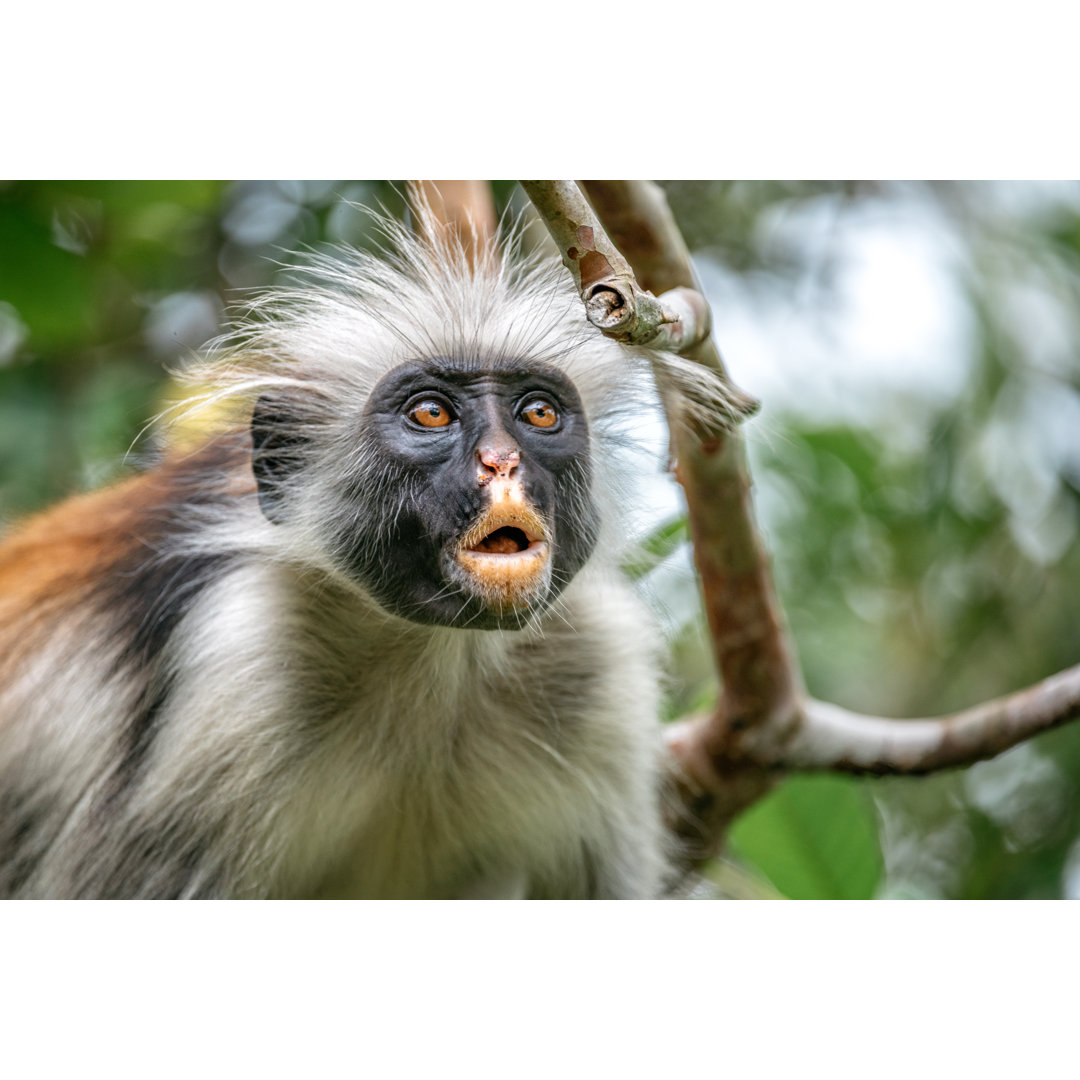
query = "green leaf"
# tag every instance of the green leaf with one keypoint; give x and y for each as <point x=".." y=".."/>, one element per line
<point x="814" y="838"/>
<point x="661" y="543"/>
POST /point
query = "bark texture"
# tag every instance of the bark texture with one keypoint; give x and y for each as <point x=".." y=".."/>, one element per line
<point x="614" y="301"/>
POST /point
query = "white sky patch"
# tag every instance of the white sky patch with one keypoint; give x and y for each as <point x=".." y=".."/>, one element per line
<point x="181" y="322"/>
<point x="877" y="332"/>
<point x="1043" y="322"/>
<point x="1070" y="884"/>
<point x="1022" y="792"/>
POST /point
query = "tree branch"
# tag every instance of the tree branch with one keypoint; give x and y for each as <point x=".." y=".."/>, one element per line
<point x="614" y="302"/>
<point x="466" y="206"/>
<point x="836" y="739"/>
<point x="764" y="724"/>
<point x="761" y="682"/>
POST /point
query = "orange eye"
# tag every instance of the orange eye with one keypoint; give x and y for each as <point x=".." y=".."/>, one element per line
<point x="430" y="414"/>
<point x="540" y="413"/>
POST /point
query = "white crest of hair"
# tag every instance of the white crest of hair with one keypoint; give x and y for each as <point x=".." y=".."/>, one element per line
<point x="349" y="317"/>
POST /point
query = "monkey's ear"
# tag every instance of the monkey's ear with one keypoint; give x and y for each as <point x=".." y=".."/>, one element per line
<point x="277" y="453"/>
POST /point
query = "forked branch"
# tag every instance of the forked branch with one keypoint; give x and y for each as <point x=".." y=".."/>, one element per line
<point x="764" y="723"/>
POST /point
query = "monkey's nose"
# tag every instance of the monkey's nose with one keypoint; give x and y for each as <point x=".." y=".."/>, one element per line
<point x="497" y="462"/>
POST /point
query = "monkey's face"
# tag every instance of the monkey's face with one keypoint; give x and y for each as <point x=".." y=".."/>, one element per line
<point x="474" y="483"/>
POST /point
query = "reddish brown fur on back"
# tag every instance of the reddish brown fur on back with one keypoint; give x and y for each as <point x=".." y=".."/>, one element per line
<point x="61" y="550"/>
<point x="49" y="563"/>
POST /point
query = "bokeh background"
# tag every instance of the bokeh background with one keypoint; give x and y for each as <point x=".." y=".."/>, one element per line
<point x="916" y="348"/>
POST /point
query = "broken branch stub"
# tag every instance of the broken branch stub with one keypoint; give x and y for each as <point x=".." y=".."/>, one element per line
<point x="614" y="302"/>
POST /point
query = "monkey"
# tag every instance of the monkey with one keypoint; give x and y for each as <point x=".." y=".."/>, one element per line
<point x="371" y="639"/>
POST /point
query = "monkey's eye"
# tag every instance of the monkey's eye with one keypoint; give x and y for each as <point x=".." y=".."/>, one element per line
<point x="431" y="413"/>
<point x="540" y="413"/>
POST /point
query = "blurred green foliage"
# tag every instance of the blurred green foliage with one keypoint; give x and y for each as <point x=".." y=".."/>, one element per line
<point x="923" y="533"/>
<point x="816" y="838"/>
<point x="924" y="539"/>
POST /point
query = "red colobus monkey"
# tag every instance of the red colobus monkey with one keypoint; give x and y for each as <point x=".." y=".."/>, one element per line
<point x="371" y="643"/>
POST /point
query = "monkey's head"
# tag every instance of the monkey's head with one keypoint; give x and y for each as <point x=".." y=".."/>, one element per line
<point x="443" y="433"/>
<point x="466" y="497"/>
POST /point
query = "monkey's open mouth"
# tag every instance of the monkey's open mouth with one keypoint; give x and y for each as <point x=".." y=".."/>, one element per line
<point x="505" y="541"/>
<point x="506" y="552"/>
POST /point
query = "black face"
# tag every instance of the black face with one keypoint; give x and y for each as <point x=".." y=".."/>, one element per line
<point x="475" y="493"/>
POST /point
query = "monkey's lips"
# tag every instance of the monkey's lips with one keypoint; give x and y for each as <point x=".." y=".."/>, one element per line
<point x="506" y="554"/>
